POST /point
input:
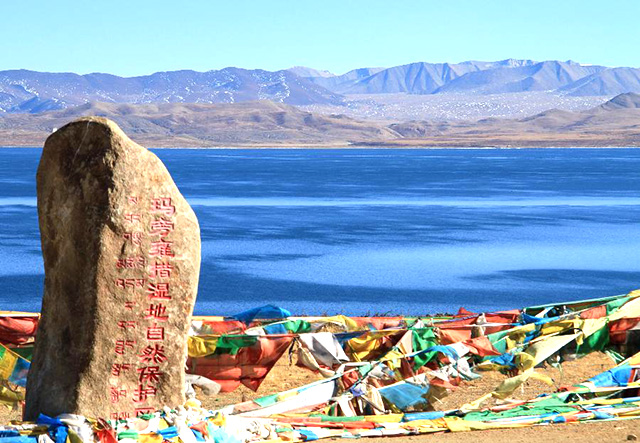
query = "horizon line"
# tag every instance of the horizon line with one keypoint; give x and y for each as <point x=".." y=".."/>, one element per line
<point x="317" y="69"/>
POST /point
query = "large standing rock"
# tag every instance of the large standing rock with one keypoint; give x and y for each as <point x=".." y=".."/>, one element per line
<point x="121" y="251"/>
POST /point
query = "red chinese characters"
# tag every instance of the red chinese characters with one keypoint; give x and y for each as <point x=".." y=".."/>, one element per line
<point x="158" y="291"/>
<point x="149" y="374"/>
<point x="160" y="270"/>
<point x="143" y="392"/>
<point x="161" y="248"/>
<point x="157" y="312"/>
<point x="163" y="205"/>
<point x="155" y="333"/>
<point x="153" y="354"/>
<point x="161" y="227"/>
<point x="145" y="279"/>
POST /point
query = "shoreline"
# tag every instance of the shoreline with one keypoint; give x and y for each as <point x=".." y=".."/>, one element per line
<point x="359" y="147"/>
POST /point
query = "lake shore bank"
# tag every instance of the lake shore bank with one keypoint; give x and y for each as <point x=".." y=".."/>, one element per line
<point x="357" y="146"/>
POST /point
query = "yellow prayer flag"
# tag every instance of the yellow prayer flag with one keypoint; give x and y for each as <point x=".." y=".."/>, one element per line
<point x="201" y="346"/>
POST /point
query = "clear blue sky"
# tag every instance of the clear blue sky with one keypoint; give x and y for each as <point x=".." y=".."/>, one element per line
<point x="135" y="37"/>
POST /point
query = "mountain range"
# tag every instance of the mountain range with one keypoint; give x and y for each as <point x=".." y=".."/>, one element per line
<point x="266" y="123"/>
<point x="29" y="91"/>
<point x="473" y="77"/>
<point x="23" y="91"/>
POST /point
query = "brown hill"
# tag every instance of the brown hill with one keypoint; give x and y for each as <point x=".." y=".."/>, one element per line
<point x="185" y="124"/>
<point x="623" y="101"/>
<point x="615" y="123"/>
<point x="264" y="123"/>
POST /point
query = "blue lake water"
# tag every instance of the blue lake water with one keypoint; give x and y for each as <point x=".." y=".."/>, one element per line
<point x="379" y="231"/>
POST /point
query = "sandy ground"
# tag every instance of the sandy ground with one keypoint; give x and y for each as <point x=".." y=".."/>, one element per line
<point x="283" y="376"/>
<point x="286" y="376"/>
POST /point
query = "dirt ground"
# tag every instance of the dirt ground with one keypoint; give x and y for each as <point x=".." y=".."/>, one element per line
<point x="285" y="376"/>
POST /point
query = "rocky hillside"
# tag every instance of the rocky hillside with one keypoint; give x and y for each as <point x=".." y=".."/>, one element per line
<point x="185" y="124"/>
<point x="265" y="123"/>
<point x="615" y="123"/>
<point x="29" y="91"/>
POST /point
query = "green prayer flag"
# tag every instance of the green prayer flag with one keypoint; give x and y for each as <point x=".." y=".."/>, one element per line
<point x="231" y="344"/>
<point x="267" y="401"/>
<point x="423" y="339"/>
<point x="297" y="326"/>
<point x="595" y="342"/>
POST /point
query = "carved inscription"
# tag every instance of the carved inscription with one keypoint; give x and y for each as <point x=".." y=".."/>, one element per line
<point x="145" y="287"/>
<point x="121" y="253"/>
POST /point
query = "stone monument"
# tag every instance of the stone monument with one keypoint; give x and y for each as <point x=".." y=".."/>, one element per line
<point x="121" y="250"/>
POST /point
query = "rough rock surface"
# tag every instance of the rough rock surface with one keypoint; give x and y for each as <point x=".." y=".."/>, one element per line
<point x="121" y="250"/>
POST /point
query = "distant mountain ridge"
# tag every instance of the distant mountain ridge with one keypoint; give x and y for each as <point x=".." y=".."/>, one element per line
<point x="303" y="71"/>
<point x="23" y="91"/>
<point x="476" y="77"/>
<point x="30" y="91"/>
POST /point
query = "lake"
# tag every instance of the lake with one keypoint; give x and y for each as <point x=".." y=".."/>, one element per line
<point x="364" y="231"/>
